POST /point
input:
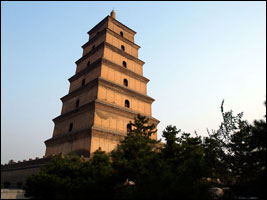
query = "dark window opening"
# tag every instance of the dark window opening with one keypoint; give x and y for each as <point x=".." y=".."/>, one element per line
<point x="127" y="104"/>
<point x="122" y="48"/>
<point x="83" y="82"/>
<point x="121" y="33"/>
<point x="125" y="82"/>
<point x="71" y="126"/>
<point x="97" y="32"/>
<point x="129" y="128"/>
<point x="77" y="103"/>
<point x="93" y="47"/>
<point x="88" y="64"/>
<point x="124" y="64"/>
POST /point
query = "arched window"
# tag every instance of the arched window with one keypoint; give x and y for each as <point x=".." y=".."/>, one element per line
<point x="77" y="103"/>
<point x="121" y="33"/>
<point x="88" y="64"/>
<point x="127" y="103"/>
<point x="125" y="82"/>
<point x="124" y="64"/>
<point x="70" y="127"/>
<point x="83" y="82"/>
<point x="122" y="48"/>
<point x="129" y="128"/>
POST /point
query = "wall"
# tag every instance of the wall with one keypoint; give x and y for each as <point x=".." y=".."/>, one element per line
<point x="112" y="122"/>
<point x="118" y="98"/>
<point x="85" y="95"/>
<point x="12" y="194"/>
<point x="118" y="42"/>
<point x="118" y="77"/>
<point x="118" y="59"/>
<point x="97" y="41"/>
<point x="94" y="73"/>
<point x="19" y="171"/>
<point x="107" y="141"/>
<point x="95" y="55"/>
<point x="100" y="28"/>
<point x="81" y="120"/>
<point x="117" y="29"/>
<point x="80" y="145"/>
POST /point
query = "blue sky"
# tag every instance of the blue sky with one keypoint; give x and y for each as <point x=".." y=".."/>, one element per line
<point x="196" y="54"/>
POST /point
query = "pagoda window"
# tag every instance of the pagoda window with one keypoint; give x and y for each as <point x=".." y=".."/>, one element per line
<point x="124" y="64"/>
<point x="121" y="33"/>
<point x="127" y="103"/>
<point x="93" y="47"/>
<point x="70" y="127"/>
<point x="83" y="82"/>
<point x="125" y="82"/>
<point x="122" y="48"/>
<point x="77" y="103"/>
<point x="129" y="128"/>
<point x="88" y="64"/>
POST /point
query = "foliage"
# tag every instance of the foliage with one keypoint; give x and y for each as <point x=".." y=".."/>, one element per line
<point x="135" y="158"/>
<point x="240" y="149"/>
<point x="11" y="161"/>
<point x="186" y="166"/>
<point x="70" y="176"/>
<point x="183" y="158"/>
<point x="141" y="127"/>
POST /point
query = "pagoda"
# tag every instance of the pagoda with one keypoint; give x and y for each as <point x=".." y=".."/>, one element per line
<point x="106" y="92"/>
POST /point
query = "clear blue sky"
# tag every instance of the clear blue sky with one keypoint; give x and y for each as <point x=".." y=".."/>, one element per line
<point x="196" y="54"/>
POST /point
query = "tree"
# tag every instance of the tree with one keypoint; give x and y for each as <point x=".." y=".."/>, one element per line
<point x="258" y="156"/>
<point x="11" y="161"/>
<point x="184" y="166"/>
<point x="214" y="156"/>
<point x="140" y="127"/>
<point x="135" y="157"/>
<point x="70" y="176"/>
<point x="171" y="147"/>
<point x="234" y="154"/>
<point x="242" y="152"/>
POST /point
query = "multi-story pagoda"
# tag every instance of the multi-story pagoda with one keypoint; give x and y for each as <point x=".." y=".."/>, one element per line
<point x="107" y="91"/>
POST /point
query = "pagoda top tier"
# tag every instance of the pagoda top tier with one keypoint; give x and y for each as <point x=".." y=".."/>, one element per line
<point x="107" y="21"/>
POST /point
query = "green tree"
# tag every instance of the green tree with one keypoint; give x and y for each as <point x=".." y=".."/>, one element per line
<point x="141" y="127"/>
<point x="135" y="159"/>
<point x="11" y="161"/>
<point x="214" y="156"/>
<point x="258" y="157"/>
<point x="241" y="150"/>
<point x="70" y="176"/>
<point x="170" y="133"/>
<point x="184" y="167"/>
<point x="235" y="153"/>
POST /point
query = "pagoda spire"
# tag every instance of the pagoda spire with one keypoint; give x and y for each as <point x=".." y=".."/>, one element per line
<point x="113" y="14"/>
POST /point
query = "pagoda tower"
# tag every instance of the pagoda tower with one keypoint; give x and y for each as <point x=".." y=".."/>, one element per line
<point x="107" y="91"/>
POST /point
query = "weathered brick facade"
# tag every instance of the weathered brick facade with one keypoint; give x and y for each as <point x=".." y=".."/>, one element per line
<point x="94" y="112"/>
